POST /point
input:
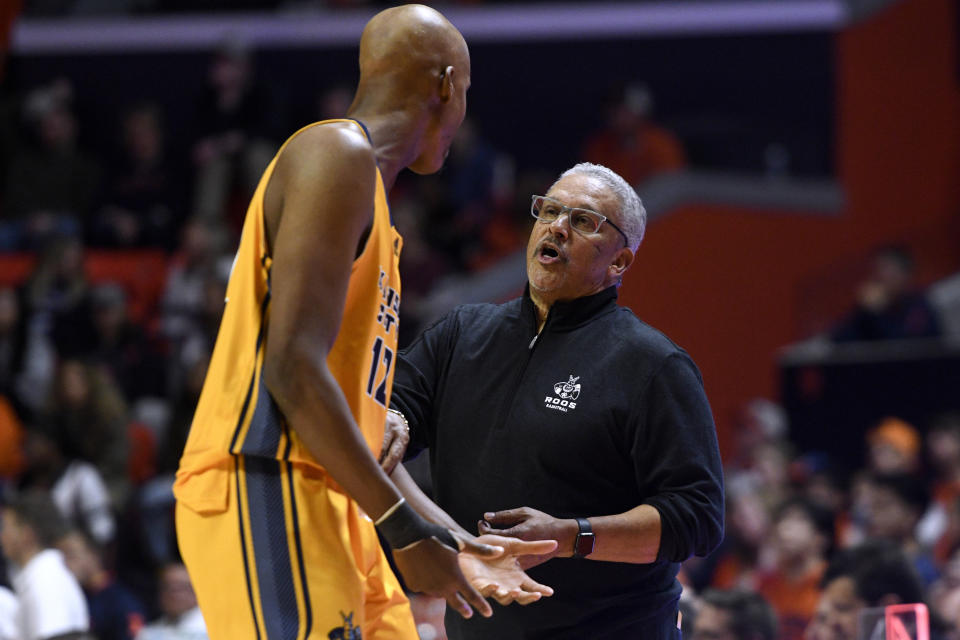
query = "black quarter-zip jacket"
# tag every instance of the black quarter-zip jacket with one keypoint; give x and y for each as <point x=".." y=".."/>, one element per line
<point x="597" y="414"/>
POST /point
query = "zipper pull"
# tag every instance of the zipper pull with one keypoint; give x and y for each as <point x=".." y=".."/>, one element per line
<point x="533" y="342"/>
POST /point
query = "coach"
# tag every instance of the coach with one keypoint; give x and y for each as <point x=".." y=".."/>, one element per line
<point x="561" y="415"/>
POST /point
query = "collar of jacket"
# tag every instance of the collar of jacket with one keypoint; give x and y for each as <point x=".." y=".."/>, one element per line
<point x="570" y="314"/>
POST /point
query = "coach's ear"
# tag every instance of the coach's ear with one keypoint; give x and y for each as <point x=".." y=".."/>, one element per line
<point x="622" y="260"/>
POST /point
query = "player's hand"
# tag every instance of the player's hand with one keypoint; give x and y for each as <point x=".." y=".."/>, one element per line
<point x="432" y="568"/>
<point x="396" y="437"/>
<point x="529" y="524"/>
<point x="501" y="577"/>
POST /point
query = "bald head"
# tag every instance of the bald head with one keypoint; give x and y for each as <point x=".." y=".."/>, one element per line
<point x="414" y="76"/>
<point x="402" y="43"/>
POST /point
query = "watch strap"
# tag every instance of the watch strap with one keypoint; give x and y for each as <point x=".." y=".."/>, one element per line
<point x="583" y="545"/>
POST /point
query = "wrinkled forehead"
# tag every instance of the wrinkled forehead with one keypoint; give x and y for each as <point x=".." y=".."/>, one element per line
<point x="586" y="192"/>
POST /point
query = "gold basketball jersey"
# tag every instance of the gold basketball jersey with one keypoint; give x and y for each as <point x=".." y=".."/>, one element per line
<point x="235" y="413"/>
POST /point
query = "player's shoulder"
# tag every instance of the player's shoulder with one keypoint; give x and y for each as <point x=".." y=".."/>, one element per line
<point x="337" y="145"/>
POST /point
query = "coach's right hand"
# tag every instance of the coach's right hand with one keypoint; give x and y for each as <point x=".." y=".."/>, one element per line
<point x="431" y="567"/>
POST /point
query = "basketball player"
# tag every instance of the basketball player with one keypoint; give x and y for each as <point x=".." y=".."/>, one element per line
<point x="278" y="490"/>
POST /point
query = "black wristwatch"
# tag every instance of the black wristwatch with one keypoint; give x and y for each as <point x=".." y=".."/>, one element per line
<point x="583" y="545"/>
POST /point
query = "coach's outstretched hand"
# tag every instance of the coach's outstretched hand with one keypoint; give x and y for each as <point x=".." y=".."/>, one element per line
<point x="431" y="567"/>
<point x="529" y="524"/>
<point x="501" y="577"/>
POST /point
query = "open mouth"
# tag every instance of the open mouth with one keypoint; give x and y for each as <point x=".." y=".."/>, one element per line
<point x="548" y="253"/>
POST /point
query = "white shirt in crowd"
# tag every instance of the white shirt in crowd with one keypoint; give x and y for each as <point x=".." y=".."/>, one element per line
<point x="50" y="600"/>
<point x="81" y="494"/>
<point x="8" y="615"/>
<point x="189" y="626"/>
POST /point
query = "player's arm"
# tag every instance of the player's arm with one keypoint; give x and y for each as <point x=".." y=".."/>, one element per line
<point x="326" y="178"/>
<point x="424" y="505"/>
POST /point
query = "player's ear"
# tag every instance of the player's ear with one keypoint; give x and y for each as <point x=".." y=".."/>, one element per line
<point x="446" y="84"/>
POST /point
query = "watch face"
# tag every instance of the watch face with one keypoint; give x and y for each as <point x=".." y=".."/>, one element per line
<point x="584" y="544"/>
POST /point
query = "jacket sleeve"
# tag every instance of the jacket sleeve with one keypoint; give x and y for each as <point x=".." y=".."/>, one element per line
<point x="417" y="379"/>
<point x="678" y="461"/>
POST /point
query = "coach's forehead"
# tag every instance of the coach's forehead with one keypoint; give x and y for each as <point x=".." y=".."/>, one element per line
<point x="587" y="192"/>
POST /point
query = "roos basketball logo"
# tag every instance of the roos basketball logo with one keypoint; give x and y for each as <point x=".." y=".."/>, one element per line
<point x="565" y="395"/>
<point x="347" y="631"/>
<point x="568" y="390"/>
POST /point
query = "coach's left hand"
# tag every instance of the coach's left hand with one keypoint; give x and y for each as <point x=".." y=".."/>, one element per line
<point x="529" y="524"/>
<point x="396" y="437"/>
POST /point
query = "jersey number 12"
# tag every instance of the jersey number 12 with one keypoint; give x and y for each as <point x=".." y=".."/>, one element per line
<point x="381" y="393"/>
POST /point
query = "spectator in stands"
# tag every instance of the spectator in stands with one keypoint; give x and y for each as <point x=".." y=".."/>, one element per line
<point x="121" y="347"/>
<point x="944" y="595"/>
<point x="940" y="527"/>
<point x="75" y="486"/>
<point x="802" y="535"/>
<point x="198" y="341"/>
<point x="894" y="447"/>
<point x="888" y="305"/>
<point x="735" y="614"/>
<point x="50" y="602"/>
<point x="88" y="412"/>
<point x="156" y="500"/>
<point x="8" y="615"/>
<point x="237" y="123"/>
<point x="631" y="143"/>
<point x="202" y="245"/>
<point x="56" y="296"/>
<point x="50" y="184"/>
<point x="760" y="422"/>
<point x="180" y="616"/>
<point x="734" y="563"/>
<point x="115" y="612"/>
<point x="468" y="182"/>
<point x="143" y="197"/>
<point x="11" y="445"/>
<point x="896" y="502"/>
<point x="875" y="574"/>
<point x="26" y="356"/>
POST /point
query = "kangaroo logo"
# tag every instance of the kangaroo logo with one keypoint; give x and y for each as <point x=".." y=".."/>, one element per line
<point x="568" y="390"/>
<point x="347" y="631"/>
<point x="564" y="395"/>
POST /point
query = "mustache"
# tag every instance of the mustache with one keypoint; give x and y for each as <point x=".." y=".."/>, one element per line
<point x="554" y="243"/>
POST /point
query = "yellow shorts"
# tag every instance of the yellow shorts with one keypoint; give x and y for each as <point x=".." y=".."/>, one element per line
<point x="286" y="556"/>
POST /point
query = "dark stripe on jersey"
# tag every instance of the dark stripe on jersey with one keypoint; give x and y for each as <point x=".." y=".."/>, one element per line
<point x="243" y="548"/>
<point x="253" y="374"/>
<point x="296" y="535"/>
<point x="268" y="531"/>
<point x="263" y="436"/>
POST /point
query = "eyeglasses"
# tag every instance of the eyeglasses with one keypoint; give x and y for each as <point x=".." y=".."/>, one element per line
<point x="583" y="221"/>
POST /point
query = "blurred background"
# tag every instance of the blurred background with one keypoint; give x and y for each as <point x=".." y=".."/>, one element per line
<point x="799" y="160"/>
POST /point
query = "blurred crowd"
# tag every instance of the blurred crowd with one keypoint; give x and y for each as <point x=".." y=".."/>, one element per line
<point x="96" y="397"/>
<point x="49" y="8"/>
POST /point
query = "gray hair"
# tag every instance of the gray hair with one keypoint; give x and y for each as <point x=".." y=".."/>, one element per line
<point x="634" y="216"/>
